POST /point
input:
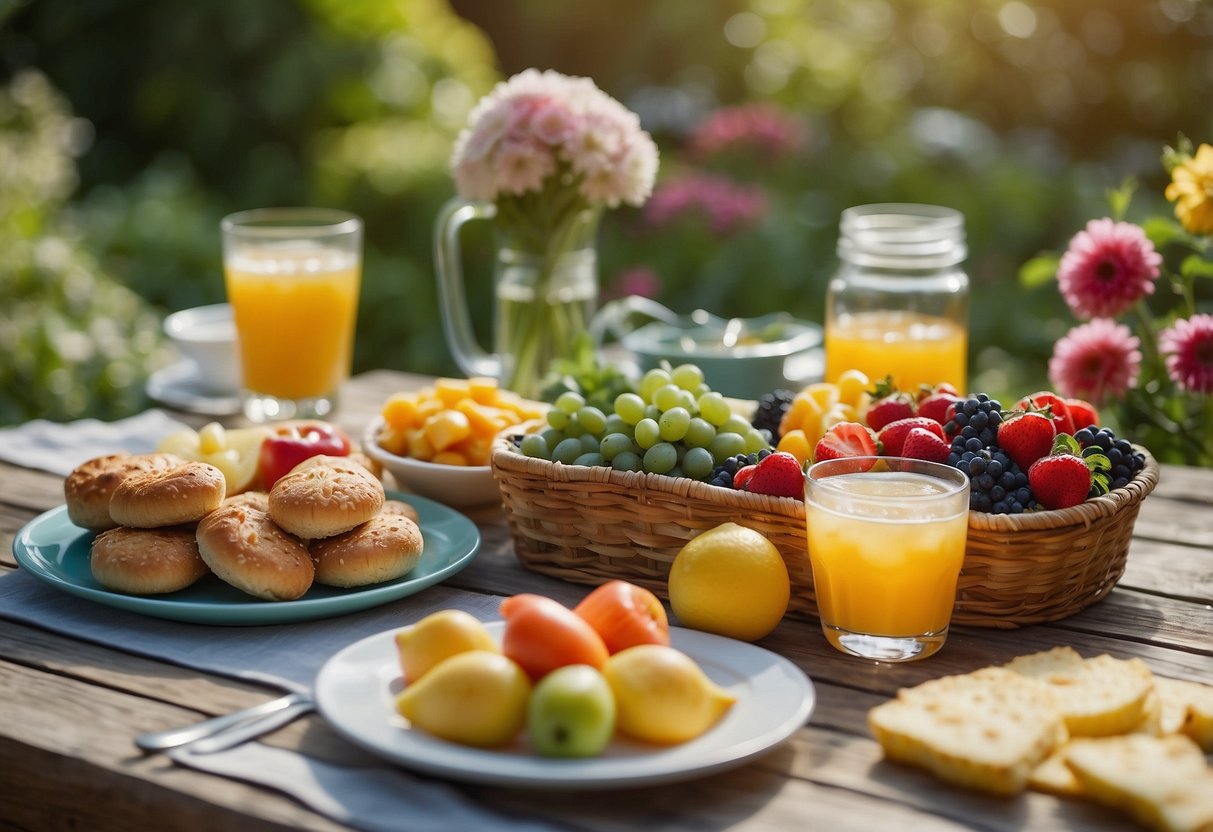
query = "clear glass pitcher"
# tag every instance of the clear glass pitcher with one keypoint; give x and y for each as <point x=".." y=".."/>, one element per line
<point x="545" y="294"/>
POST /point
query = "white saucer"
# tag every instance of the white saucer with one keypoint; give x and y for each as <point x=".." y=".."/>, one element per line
<point x="178" y="386"/>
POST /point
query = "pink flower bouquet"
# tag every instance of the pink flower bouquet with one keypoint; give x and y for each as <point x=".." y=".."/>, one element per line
<point x="1159" y="380"/>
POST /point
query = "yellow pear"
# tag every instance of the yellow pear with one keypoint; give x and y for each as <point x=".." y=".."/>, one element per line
<point x="476" y="698"/>
<point x="662" y="696"/>
<point x="439" y="636"/>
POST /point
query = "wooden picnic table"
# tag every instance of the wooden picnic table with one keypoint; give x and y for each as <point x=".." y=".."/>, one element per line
<point x="63" y="767"/>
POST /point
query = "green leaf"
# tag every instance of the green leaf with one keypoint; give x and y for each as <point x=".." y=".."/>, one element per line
<point x="1195" y="266"/>
<point x="1066" y="444"/>
<point x="1163" y="231"/>
<point x="1119" y="198"/>
<point x="1039" y="270"/>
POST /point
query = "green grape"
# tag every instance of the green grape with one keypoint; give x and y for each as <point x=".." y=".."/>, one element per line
<point x="667" y="396"/>
<point x="534" y="445"/>
<point x="699" y="433"/>
<point x="687" y="376"/>
<point x="660" y="458"/>
<point x="736" y="424"/>
<point x="726" y="445"/>
<point x="615" y="424"/>
<point x="653" y="379"/>
<point x="567" y="451"/>
<point x="687" y="399"/>
<point x="558" y="418"/>
<point x="676" y="471"/>
<point x="698" y="463"/>
<point x="592" y="419"/>
<point x="647" y="433"/>
<point x="701" y="390"/>
<point x="553" y="438"/>
<point x="627" y="461"/>
<point x="590" y="443"/>
<point x="574" y="427"/>
<point x="652" y="411"/>
<point x="613" y="444"/>
<point x="570" y="402"/>
<point x="590" y="459"/>
<point x="630" y="407"/>
<point x="714" y="408"/>
<point x="674" y="424"/>
<point x="755" y="441"/>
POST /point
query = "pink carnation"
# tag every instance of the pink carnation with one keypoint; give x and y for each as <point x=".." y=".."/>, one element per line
<point x="762" y="127"/>
<point x="1107" y="268"/>
<point x="1188" y="347"/>
<point x="1096" y="360"/>
<point x="727" y="205"/>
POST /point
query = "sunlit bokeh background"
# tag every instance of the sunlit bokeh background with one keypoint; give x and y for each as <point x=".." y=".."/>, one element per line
<point x="127" y="129"/>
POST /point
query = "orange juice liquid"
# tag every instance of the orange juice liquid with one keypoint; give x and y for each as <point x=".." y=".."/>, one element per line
<point x="295" y="311"/>
<point x="914" y="349"/>
<point x="887" y="571"/>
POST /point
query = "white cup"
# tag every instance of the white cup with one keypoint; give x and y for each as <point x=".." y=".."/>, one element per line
<point x="206" y="336"/>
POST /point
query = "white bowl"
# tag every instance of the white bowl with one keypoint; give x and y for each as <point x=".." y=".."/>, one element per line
<point x="206" y="336"/>
<point x="454" y="485"/>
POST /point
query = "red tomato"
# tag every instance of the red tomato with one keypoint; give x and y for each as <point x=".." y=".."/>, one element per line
<point x="542" y="634"/>
<point x="295" y="442"/>
<point x="625" y="615"/>
<point x="1045" y="398"/>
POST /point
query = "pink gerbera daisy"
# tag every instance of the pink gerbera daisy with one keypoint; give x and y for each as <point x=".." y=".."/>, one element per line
<point x="1107" y="268"/>
<point x="1188" y="347"/>
<point x="1096" y="360"/>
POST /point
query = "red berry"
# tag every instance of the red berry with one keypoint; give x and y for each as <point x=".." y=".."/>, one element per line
<point x="889" y="409"/>
<point x="1082" y="413"/>
<point x="779" y="475"/>
<point x="893" y="437"/>
<point x="923" y="444"/>
<point x="938" y="406"/>
<point x="845" y="439"/>
<point x="1026" y="437"/>
<point x="1060" y="481"/>
<point x="743" y="476"/>
<point x="1045" y="398"/>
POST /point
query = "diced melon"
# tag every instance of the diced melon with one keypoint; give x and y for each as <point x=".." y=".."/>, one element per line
<point x="420" y="446"/>
<point x="450" y="390"/>
<point x="450" y="458"/>
<point x="401" y="410"/>
<point x="484" y="390"/>
<point x="446" y="428"/>
<point x="394" y="440"/>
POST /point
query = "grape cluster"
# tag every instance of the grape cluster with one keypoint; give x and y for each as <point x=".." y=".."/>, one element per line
<point x="722" y="474"/>
<point x="996" y="484"/>
<point x="769" y="412"/>
<point x="1126" y="462"/>
<point x="672" y="424"/>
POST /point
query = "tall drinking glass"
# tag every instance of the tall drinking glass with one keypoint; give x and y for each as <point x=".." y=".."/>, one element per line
<point x="293" y="276"/>
<point x="886" y="542"/>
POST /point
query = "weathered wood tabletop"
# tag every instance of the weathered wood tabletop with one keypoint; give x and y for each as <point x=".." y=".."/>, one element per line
<point x="70" y="708"/>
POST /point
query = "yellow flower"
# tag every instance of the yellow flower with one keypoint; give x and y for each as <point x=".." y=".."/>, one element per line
<point x="1191" y="190"/>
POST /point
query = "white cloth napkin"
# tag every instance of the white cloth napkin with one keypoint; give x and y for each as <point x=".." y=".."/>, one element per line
<point x="59" y="447"/>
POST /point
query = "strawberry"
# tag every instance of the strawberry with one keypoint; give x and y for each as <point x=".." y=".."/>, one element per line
<point x="1026" y="437"/>
<point x="926" y="390"/>
<point x="1065" y="478"/>
<point x="938" y="406"/>
<point x="1047" y="399"/>
<point x="743" y="476"/>
<point x="1082" y="413"/>
<point x="888" y="405"/>
<point x="893" y="436"/>
<point x="923" y="444"/>
<point x="779" y="475"/>
<point x="845" y="439"/>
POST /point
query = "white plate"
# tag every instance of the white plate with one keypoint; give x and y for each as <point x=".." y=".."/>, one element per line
<point x="356" y="689"/>
<point x="179" y="386"/>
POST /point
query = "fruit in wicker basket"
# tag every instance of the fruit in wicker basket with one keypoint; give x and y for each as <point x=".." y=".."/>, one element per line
<point x="845" y="439"/>
<point x="892" y="436"/>
<point x="1066" y="476"/>
<point x="778" y="475"/>
<point x="1026" y="437"/>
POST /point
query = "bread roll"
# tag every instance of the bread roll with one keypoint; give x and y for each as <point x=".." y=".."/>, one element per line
<point x="402" y="508"/>
<point x="185" y="493"/>
<point x="88" y="489"/>
<point x="325" y="496"/>
<point x="147" y="561"/>
<point x="383" y="548"/>
<point x="246" y="549"/>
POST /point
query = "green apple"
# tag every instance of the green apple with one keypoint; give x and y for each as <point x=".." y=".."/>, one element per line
<point x="571" y="713"/>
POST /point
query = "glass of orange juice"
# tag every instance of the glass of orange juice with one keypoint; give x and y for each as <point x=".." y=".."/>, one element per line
<point x="293" y="277"/>
<point x="886" y="540"/>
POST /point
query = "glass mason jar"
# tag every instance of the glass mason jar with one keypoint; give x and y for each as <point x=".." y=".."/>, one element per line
<point x="899" y="303"/>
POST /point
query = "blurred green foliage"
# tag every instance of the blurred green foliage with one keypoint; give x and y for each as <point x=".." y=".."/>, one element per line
<point x="1019" y="113"/>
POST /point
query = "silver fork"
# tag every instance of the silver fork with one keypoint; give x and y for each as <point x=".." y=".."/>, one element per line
<point x="222" y="732"/>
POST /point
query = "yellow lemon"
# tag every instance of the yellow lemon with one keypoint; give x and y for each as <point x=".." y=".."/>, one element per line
<point x="439" y="636"/>
<point x="236" y="452"/>
<point x="661" y="695"/>
<point x="732" y="581"/>
<point x="475" y="698"/>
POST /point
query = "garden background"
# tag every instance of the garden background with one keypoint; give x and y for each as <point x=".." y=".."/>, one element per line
<point x="127" y="129"/>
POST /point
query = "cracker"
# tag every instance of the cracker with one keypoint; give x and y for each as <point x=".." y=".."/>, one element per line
<point x="1054" y="776"/>
<point x="1190" y="706"/>
<point x="1162" y="781"/>
<point x="985" y="730"/>
<point x="1098" y="697"/>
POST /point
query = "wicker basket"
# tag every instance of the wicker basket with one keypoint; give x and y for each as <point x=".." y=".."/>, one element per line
<point x="590" y="525"/>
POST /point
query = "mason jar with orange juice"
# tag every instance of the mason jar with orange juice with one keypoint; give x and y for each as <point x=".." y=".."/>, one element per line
<point x="899" y="303"/>
<point x="293" y="277"/>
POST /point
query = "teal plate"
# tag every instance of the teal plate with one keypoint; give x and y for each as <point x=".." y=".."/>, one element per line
<point x="56" y="551"/>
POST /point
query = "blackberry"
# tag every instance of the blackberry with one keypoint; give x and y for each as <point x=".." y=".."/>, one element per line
<point x="722" y="474"/>
<point x="977" y="418"/>
<point x="1125" y="461"/>
<point x="770" y="410"/>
